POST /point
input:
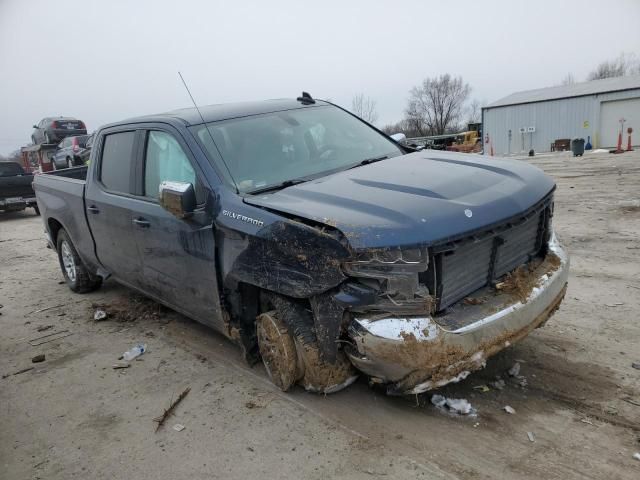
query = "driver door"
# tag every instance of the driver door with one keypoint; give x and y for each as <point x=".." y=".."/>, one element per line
<point x="178" y="255"/>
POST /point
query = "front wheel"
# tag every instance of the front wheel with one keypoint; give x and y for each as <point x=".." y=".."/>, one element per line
<point x="73" y="269"/>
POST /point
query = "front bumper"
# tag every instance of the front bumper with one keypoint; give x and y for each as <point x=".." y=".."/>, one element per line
<point x="415" y="354"/>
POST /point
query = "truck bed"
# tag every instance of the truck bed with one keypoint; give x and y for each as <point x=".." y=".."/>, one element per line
<point x="60" y="195"/>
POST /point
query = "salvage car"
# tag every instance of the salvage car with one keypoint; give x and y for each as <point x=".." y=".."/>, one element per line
<point x="313" y="240"/>
<point x="54" y="129"/>
<point x="70" y="152"/>
<point x="16" y="192"/>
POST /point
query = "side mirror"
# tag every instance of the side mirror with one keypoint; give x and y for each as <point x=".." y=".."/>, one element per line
<point x="399" y="137"/>
<point x="178" y="198"/>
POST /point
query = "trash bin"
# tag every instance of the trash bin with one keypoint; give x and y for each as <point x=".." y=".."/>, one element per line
<point x="577" y="147"/>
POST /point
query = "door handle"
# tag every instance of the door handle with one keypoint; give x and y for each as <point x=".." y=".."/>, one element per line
<point x="93" y="209"/>
<point x="141" y="222"/>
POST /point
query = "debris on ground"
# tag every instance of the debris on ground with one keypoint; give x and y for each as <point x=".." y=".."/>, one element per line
<point x="509" y="409"/>
<point x="120" y="365"/>
<point x="499" y="384"/>
<point x="636" y="365"/>
<point x="617" y="304"/>
<point x="453" y="405"/>
<point x="178" y="427"/>
<point x="99" y="315"/>
<point x="24" y="370"/>
<point x="531" y="437"/>
<point x="38" y="358"/>
<point x="131" y="308"/>
<point x="474" y="301"/>
<point x="632" y="401"/>
<point x="162" y="418"/>
<point x="251" y="405"/>
<point x="136" y="351"/>
<point x="34" y="342"/>
<point x="482" y="388"/>
<point x="44" y="328"/>
<point x="515" y="370"/>
<point x="586" y="420"/>
<point x="636" y="455"/>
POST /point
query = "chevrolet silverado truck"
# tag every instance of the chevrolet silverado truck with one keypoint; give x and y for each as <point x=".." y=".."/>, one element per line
<point x="313" y="240"/>
<point x="16" y="192"/>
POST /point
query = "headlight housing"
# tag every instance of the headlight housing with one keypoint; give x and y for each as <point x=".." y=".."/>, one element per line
<point x="396" y="269"/>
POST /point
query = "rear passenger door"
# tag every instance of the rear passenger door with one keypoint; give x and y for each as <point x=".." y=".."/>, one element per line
<point x="178" y="255"/>
<point x="108" y="200"/>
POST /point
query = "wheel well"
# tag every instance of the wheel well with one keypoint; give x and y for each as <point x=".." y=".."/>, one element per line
<point x="54" y="227"/>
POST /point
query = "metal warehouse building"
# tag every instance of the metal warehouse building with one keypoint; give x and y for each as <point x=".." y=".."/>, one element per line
<point x="536" y="118"/>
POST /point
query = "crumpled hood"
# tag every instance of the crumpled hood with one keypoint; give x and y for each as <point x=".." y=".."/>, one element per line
<point x="418" y="198"/>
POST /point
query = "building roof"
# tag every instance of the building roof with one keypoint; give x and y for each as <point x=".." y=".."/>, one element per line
<point x="567" y="91"/>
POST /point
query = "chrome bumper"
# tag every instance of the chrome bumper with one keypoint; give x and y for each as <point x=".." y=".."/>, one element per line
<point x="415" y="354"/>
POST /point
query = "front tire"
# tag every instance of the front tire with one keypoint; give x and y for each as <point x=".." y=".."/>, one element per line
<point x="73" y="269"/>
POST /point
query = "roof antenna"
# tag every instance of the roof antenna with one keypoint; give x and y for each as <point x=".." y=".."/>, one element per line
<point x="306" y="99"/>
<point x="209" y="131"/>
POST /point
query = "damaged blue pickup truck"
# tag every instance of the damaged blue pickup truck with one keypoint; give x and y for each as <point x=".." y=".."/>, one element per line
<point x="313" y="240"/>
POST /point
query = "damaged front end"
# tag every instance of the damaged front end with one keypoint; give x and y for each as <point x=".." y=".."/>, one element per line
<point x="420" y="347"/>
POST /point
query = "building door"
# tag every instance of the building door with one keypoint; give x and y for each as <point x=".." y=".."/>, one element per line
<point x="610" y="115"/>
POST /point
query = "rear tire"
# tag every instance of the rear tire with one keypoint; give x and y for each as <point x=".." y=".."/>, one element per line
<point x="74" y="271"/>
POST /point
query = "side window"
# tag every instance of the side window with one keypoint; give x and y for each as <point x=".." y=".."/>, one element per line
<point x="117" y="156"/>
<point x="166" y="160"/>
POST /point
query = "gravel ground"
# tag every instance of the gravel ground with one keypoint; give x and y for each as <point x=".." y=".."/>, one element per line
<point x="73" y="415"/>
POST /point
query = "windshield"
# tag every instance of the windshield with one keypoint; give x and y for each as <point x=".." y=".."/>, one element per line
<point x="270" y="149"/>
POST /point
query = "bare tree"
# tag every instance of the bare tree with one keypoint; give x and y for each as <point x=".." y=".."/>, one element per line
<point x="619" y="67"/>
<point x="437" y="105"/>
<point x="474" y="111"/>
<point x="569" y="79"/>
<point x="365" y="108"/>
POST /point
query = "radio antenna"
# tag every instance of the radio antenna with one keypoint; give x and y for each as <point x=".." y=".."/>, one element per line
<point x="209" y="131"/>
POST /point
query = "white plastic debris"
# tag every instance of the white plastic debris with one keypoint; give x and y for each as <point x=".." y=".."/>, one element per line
<point x="454" y="405"/>
<point x="99" y="315"/>
<point x="509" y="409"/>
<point x="178" y="427"/>
<point x="515" y="370"/>
<point x="498" y="384"/>
<point x="531" y="437"/>
<point x="636" y="455"/>
<point x="136" y="351"/>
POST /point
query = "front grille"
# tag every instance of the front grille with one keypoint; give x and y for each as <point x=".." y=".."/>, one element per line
<point x="459" y="268"/>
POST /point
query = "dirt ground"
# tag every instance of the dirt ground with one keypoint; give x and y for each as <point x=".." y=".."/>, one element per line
<point x="73" y="415"/>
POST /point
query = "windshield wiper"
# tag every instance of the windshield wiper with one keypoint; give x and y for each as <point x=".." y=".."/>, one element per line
<point x="278" y="186"/>
<point x="367" y="161"/>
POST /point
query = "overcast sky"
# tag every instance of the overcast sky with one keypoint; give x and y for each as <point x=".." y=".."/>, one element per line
<point x="105" y="60"/>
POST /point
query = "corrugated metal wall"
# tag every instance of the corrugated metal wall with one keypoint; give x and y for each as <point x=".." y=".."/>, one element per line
<point x="552" y="120"/>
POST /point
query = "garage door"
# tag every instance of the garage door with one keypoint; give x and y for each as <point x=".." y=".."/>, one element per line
<point x="610" y="115"/>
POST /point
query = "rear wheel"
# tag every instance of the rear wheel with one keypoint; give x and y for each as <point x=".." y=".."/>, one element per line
<point x="73" y="269"/>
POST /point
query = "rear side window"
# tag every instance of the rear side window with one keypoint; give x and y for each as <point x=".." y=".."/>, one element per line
<point x="117" y="157"/>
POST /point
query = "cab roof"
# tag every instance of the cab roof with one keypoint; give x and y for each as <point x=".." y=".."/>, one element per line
<point x="225" y="111"/>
